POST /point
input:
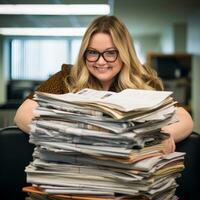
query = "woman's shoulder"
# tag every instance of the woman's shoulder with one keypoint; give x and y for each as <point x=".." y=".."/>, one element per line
<point x="65" y="69"/>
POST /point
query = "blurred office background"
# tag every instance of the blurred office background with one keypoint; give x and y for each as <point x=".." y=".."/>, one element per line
<point x="166" y="35"/>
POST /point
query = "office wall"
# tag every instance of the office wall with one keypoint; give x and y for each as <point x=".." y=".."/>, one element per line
<point x="173" y="39"/>
<point x="149" y="43"/>
<point x="193" y="47"/>
<point x="167" y="40"/>
<point x="180" y="35"/>
<point x="2" y="72"/>
<point x="4" y="66"/>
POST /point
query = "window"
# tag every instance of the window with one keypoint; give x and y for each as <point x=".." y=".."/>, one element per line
<point x="139" y="51"/>
<point x="75" y="46"/>
<point x="37" y="59"/>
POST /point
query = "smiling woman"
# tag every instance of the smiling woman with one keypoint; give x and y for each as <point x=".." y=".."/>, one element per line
<point x="106" y="65"/>
<point x="106" y="61"/>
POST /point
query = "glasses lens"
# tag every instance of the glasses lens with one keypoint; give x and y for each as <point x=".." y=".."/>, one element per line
<point x="92" y="55"/>
<point x="110" y="56"/>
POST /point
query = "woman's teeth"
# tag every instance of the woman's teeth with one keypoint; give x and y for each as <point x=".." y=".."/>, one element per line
<point x="102" y="69"/>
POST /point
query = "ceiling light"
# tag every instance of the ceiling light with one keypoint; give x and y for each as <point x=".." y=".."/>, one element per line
<point x="74" y="31"/>
<point x="54" y="9"/>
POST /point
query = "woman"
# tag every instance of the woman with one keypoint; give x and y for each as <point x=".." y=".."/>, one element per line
<point x="106" y="61"/>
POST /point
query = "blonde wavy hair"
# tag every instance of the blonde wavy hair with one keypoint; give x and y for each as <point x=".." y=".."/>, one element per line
<point x="132" y="75"/>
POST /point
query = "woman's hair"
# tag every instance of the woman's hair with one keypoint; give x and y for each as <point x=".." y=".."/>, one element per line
<point x="132" y="75"/>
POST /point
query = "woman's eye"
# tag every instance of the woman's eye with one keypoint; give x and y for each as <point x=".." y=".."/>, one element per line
<point x="110" y="53"/>
<point x="92" y="52"/>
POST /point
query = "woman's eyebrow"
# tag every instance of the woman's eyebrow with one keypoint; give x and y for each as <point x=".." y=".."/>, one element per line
<point x="90" y="48"/>
<point x="109" y="48"/>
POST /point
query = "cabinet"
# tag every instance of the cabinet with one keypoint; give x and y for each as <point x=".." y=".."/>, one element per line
<point x="175" y="71"/>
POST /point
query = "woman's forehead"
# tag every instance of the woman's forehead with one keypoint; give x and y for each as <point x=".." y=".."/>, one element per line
<point x="101" y="41"/>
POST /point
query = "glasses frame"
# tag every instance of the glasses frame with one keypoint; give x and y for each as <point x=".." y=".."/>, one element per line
<point x="101" y="54"/>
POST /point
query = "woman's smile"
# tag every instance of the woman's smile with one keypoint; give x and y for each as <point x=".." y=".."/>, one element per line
<point x="103" y="69"/>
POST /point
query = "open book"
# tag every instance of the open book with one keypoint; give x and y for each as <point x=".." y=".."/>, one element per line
<point x="125" y="104"/>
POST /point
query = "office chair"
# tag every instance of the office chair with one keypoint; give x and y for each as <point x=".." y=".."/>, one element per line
<point x="15" y="154"/>
<point x="189" y="182"/>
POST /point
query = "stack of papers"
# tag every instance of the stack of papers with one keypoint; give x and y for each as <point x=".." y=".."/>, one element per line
<point x="103" y="145"/>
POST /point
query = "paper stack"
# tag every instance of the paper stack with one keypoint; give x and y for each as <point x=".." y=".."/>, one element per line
<point x="103" y="145"/>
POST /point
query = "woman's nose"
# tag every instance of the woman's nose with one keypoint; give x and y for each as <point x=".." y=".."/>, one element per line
<point x="101" y="60"/>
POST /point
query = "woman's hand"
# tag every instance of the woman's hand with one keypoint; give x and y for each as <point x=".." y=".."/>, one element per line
<point x="182" y="128"/>
<point x="169" y="145"/>
<point x="24" y="114"/>
<point x="178" y="131"/>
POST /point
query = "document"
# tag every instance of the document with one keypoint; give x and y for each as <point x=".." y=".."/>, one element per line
<point x="103" y="145"/>
<point x="113" y="103"/>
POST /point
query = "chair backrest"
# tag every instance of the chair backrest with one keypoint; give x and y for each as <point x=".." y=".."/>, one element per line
<point x="15" y="155"/>
<point x="189" y="182"/>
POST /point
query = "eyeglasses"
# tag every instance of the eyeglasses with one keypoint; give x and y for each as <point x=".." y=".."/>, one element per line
<point x="94" y="55"/>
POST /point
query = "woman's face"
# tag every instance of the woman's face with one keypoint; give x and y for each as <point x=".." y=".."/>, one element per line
<point x="103" y="66"/>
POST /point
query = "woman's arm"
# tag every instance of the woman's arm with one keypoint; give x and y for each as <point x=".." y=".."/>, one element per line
<point x="55" y="84"/>
<point x="24" y="115"/>
<point x="178" y="131"/>
<point x="181" y="129"/>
